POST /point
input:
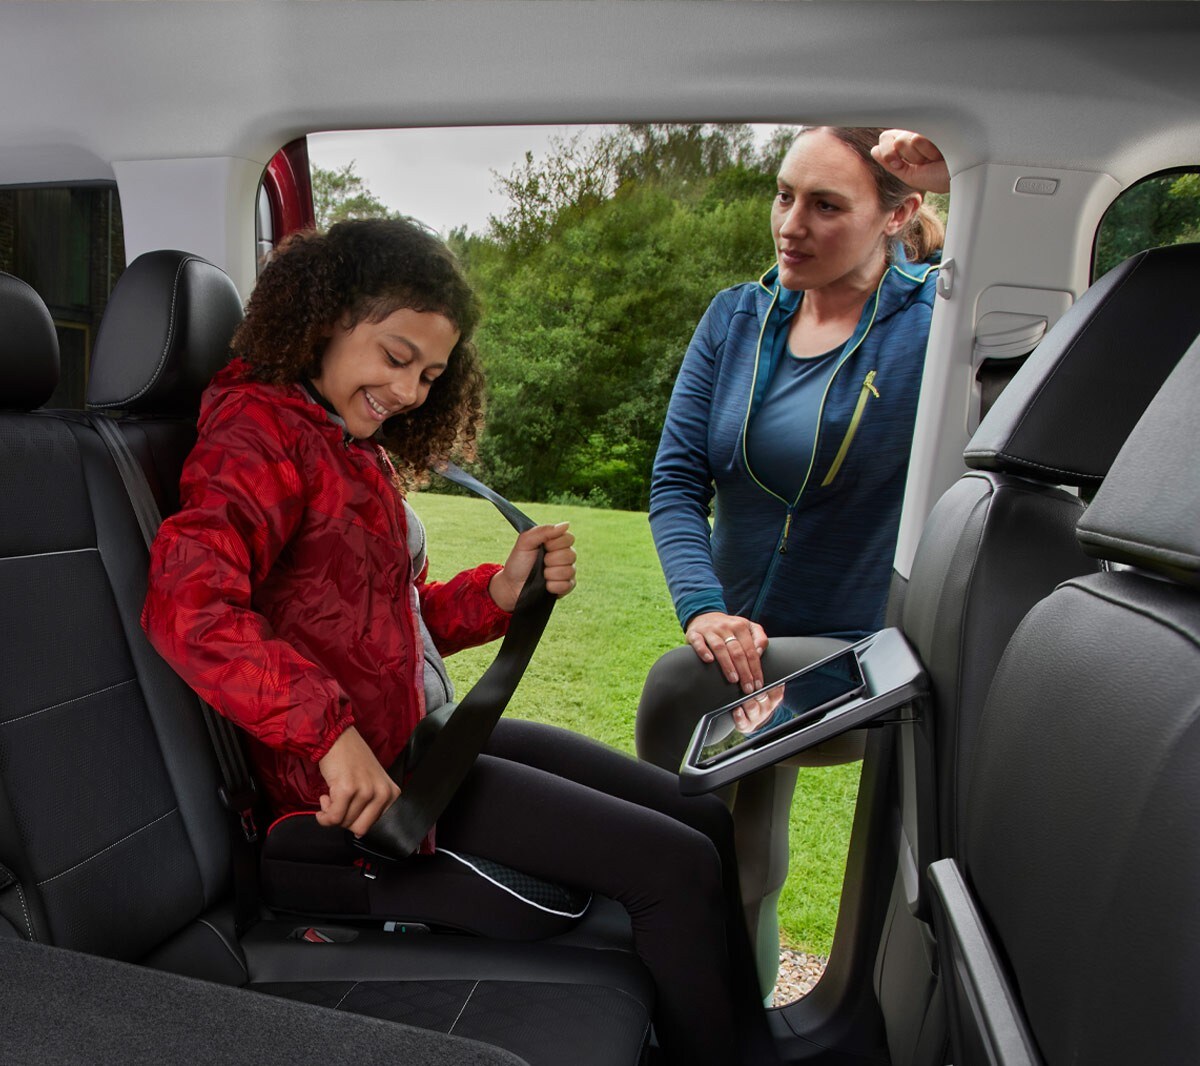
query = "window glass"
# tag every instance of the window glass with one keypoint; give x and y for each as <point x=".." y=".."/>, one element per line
<point x="1158" y="211"/>
<point x="66" y="242"/>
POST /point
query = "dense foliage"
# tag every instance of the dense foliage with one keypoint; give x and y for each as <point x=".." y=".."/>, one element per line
<point x="1160" y="211"/>
<point x="593" y="281"/>
<point x="604" y="260"/>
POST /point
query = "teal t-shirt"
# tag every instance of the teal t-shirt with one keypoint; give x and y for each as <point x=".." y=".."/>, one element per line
<point x="782" y="434"/>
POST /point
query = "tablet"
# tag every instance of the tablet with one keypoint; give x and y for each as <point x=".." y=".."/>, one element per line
<point x="801" y="697"/>
<point x="850" y="689"/>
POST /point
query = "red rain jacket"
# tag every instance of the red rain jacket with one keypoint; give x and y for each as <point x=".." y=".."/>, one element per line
<point x="283" y="591"/>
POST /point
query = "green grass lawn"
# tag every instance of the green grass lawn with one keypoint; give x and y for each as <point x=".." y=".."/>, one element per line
<point x="588" y="671"/>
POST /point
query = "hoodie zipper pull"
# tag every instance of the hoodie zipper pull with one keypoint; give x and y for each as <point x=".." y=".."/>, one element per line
<point x="787" y="528"/>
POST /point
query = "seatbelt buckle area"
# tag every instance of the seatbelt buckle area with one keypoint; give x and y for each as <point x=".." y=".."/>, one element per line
<point x="325" y="934"/>
<point x="242" y="804"/>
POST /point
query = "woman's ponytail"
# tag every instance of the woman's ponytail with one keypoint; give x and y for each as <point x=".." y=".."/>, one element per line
<point x="923" y="236"/>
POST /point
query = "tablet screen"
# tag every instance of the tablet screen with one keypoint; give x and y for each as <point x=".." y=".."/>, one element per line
<point x="799" y="699"/>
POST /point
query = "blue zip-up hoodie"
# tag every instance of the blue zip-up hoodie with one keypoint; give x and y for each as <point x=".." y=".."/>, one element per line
<point x="821" y="563"/>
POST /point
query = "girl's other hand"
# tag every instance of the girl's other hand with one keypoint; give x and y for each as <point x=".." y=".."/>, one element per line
<point x="736" y="644"/>
<point x="914" y="159"/>
<point x="359" y="787"/>
<point x="559" y="564"/>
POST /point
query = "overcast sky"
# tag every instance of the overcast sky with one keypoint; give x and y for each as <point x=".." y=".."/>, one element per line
<point x="441" y="176"/>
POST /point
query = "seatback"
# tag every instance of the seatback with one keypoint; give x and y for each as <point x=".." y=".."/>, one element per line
<point x="1080" y="842"/>
<point x="1003" y="536"/>
<point x="113" y="844"/>
<point x="999" y="540"/>
<point x="165" y="332"/>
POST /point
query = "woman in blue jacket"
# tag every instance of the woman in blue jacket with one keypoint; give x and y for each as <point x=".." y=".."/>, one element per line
<point x="792" y="418"/>
<point x="793" y="411"/>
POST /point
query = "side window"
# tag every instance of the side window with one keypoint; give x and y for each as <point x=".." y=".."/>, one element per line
<point x="68" y="243"/>
<point x="1161" y="210"/>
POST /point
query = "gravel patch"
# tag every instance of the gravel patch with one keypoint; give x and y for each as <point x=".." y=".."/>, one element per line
<point x="798" y="974"/>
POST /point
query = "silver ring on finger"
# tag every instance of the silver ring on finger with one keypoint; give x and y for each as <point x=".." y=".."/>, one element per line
<point x="731" y="640"/>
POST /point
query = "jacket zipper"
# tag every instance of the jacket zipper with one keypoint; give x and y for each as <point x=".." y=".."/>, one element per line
<point x="868" y="390"/>
<point x="791" y="508"/>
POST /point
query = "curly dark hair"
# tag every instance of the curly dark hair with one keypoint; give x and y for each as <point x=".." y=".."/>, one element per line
<point x="361" y="271"/>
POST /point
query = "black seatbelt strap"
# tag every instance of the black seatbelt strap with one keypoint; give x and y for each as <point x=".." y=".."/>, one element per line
<point x="446" y="756"/>
<point x="237" y="790"/>
<point x="517" y="518"/>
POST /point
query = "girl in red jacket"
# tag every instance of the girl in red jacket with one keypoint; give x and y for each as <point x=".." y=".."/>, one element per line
<point x="283" y="593"/>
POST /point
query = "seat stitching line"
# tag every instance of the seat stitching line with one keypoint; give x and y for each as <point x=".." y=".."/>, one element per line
<point x="47" y="555"/>
<point x="458" y="1016"/>
<point x="115" y="843"/>
<point x="73" y="699"/>
<point x="345" y="994"/>
<point x="25" y="911"/>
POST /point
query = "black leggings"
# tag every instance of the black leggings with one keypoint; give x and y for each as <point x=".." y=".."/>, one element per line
<point x="565" y="808"/>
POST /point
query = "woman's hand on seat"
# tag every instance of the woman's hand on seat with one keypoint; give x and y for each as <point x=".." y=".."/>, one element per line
<point x="736" y="644"/>
<point x="559" y="564"/>
<point x="359" y="787"/>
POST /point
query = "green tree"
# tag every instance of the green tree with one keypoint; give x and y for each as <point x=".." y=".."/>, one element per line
<point x="576" y="173"/>
<point x="593" y="282"/>
<point x="1159" y="211"/>
<point x="343" y="194"/>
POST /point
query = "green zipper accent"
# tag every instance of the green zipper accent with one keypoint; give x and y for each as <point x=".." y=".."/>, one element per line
<point x="787" y="528"/>
<point x="868" y="389"/>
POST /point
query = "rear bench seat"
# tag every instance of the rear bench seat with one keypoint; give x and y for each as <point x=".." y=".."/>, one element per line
<point x="110" y="824"/>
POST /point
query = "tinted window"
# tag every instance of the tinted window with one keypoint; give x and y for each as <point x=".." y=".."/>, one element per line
<point x="67" y="243"/>
<point x="1159" y="211"/>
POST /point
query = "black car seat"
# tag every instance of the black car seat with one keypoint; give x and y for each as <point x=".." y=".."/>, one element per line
<point x="1001" y="538"/>
<point x="1067" y="917"/>
<point x="112" y="840"/>
<point x="997" y="541"/>
<point x="165" y="332"/>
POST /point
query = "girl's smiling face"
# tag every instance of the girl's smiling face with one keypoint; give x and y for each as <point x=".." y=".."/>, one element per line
<point x="375" y="370"/>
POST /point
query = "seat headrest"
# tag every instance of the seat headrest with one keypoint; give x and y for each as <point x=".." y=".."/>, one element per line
<point x="165" y="332"/>
<point x="29" y="363"/>
<point x="1064" y="416"/>
<point x="1147" y="512"/>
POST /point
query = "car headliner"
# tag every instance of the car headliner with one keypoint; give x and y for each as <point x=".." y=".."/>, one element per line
<point x="1086" y="86"/>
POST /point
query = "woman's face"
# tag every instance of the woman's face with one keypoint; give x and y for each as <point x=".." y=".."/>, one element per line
<point x="826" y="220"/>
<point x="379" y="369"/>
